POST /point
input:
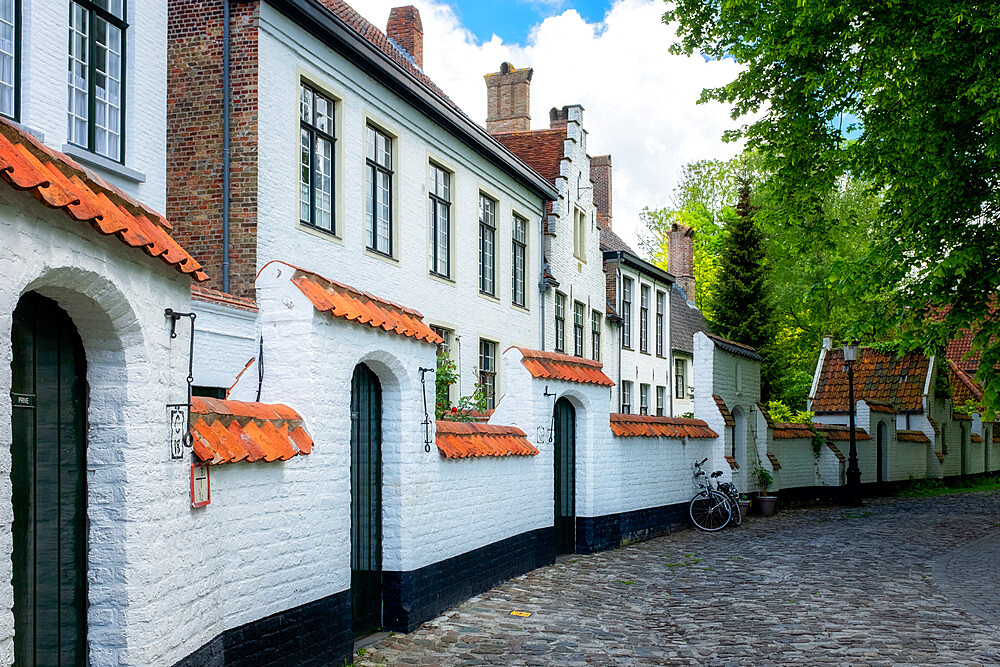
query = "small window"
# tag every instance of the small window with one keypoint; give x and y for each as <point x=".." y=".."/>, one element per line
<point x="680" y="378"/>
<point x="488" y="371"/>
<point x="487" y="245"/>
<point x="644" y="318"/>
<point x="560" y="322"/>
<point x="643" y="399"/>
<point x="519" y="245"/>
<point x="209" y="392"/>
<point x="627" y="312"/>
<point x="316" y="159"/>
<point x="378" y="191"/>
<point x="580" y="235"/>
<point x="579" y="314"/>
<point x="10" y="57"/>
<point x="439" y="220"/>
<point x="626" y="397"/>
<point x="661" y="394"/>
<point x="595" y="335"/>
<point x="445" y="350"/>
<point x="96" y="82"/>
<point x="661" y="299"/>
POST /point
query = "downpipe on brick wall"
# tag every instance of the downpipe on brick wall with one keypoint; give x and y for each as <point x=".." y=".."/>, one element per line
<point x="225" y="144"/>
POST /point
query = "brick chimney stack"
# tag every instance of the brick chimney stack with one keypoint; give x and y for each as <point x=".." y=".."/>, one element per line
<point x="507" y="99"/>
<point x="558" y="117"/>
<point x="680" y="257"/>
<point x="600" y="176"/>
<point x="406" y="30"/>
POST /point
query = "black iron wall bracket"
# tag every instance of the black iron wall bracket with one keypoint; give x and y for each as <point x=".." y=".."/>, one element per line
<point x="173" y="316"/>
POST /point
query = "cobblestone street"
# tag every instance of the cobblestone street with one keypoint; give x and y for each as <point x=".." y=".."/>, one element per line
<point x="896" y="582"/>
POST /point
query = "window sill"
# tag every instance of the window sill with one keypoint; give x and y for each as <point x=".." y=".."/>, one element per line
<point x="103" y="163"/>
<point x="320" y="233"/>
<point x="489" y="297"/>
<point x="520" y="308"/>
<point x="437" y="277"/>
<point x="381" y="256"/>
<point x="645" y="352"/>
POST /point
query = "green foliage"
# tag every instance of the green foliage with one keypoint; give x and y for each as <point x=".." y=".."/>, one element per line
<point x="926" y="488"/>
<point x="763" y="478"/>
<point x="818" y="441"/>
<point x="905" y="98"/>
<point x="782" y="413"/>
<point x="942" y="385"/>
<point x="687" y="415"/>
<point x="447" y="375"/>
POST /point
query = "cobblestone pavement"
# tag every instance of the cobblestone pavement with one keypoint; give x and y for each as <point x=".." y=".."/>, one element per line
<point x="896" y="582"/>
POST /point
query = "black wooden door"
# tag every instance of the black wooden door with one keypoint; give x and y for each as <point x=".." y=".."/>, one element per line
<point x="48" y="475"/>
<point x="565" y="477"/>
<point x="366" y="501"/>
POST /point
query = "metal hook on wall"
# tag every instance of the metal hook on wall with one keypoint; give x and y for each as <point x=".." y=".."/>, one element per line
<point x="174" y="316"/>
<point x="427" y="418"/>
<point x="552" y="419"/>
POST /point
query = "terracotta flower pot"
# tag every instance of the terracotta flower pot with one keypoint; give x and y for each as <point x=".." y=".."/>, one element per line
<point x="745" y="508"/>
<point x="766" y="505"/>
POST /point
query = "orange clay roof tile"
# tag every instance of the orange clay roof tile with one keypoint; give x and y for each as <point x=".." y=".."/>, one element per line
<point x="646" y="426"/>
<point x="727" y="416"/>
<point x="344" y="301"/>
<point x="231" y="431"/>
<point x="881" y="377"/>
<point x="57" y="181"/>
<point x="775" y="465"/>
<point x="461" y="440"/>
<point x="555" y="366"/>
<point x="789" y="431"/>
<point x="840" y="432"/>
<point x="911" y="436"/>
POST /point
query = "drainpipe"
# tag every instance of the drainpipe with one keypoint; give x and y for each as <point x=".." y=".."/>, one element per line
<point x="618" y="281"/>
<point x="225" y="145"/>
<point x="542" y="285"/>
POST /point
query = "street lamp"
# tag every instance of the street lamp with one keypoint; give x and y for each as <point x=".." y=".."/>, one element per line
<point x="853" y="471"/>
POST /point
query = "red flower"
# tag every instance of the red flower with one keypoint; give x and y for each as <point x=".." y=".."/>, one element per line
<point x="454" y="409"/>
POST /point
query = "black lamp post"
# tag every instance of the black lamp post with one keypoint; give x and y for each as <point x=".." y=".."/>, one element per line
<point x="853" y="471"/>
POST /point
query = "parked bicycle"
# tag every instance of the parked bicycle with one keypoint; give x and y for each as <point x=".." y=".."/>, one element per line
<point x="733" y="494"/>
<point x="710" y="508"/>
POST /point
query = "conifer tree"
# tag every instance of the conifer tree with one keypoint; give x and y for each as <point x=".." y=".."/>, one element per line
<point x="740" y="306"/>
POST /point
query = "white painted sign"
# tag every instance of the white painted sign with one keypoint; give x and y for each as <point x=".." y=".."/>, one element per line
<point x="178" y="420"/>
<point x="201" y="490"/>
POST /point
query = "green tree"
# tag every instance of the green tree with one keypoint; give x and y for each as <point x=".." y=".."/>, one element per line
<point x="904" y="96"/>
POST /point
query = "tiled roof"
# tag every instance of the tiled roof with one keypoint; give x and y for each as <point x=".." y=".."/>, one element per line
<point x="937" y="431"/>
<point x="885" y="408"/>
<point x="975" y="437"/>
<point x="840" y="432"/>
<point x="881" y="377"/>
<point x="774" y="461"/>
<point x="964" y="389"/>
<point x="939" y="455"/>
<point x="911" y="436"/>
<point x="555" y="366"/>
<point x="959" y="350"/>
<point x="202" y="293"/>
<point x="836" y="452"/>
<point x="231" y="431"/>
<point x="609" y="239"/>
<point x="733" y="347"/>
<point x="788" y="431"/>
<point x="961" y="416"/>
<point x="727" y="416"/>
<point x="462" y="440"/>
<point x="731" y="460"/>
<point x="352" y="304"/>
<point x="57" y="181"/>
<point x="685" y="321"/>
<point x="659" y="427"/>
<point x="542" y="150"/>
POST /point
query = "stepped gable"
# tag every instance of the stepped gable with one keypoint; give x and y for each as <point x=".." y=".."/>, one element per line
<point x="59" y="182"/>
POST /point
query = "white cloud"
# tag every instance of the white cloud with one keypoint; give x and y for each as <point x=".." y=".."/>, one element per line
<point x="639" y="99"/>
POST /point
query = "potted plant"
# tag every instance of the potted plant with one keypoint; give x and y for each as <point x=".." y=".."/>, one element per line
<point x="744" y="502"/>
<point x="765" y="503"/>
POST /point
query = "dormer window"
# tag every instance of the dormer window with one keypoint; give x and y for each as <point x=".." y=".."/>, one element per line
<point x="96" y="85"/>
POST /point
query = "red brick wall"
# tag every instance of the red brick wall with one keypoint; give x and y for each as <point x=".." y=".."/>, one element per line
<point x="194" y="136"/>
<point x="680" y="257"/>
<point x="406" y="29"/>
<point x="600" y="176"/>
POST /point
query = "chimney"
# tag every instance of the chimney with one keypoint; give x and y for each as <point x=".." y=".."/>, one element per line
<point x="680" y="257"/>
<point x="507" y="97"/>
<point x="406" y="30"/>
<point x="600" y="176"/>
<point x="558" y="117"/>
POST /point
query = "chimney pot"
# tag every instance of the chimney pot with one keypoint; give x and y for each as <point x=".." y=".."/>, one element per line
<point x="508" y="99"/>
<point x="406" y="30"/>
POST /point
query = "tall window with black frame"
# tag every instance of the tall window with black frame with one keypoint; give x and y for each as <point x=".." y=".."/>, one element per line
<point x="644" y="318"/>
<point x="626" y="397"/>
<point x="627" y="313"/>
<point x="316" y="145"/>
<point x="661" y="393"/>
<point x="10" y="58"/>
<point x="518" y="245"/>
<point x="378" y="191"/>
<point x="661" y="300"/>
<point x="579" y="313"/>
<point x="96" y="77"/>
<point x="560" y="322"/>
<point x="595" y="335"/>
<point x="488" y="371"/>
<point x="487" y="245"/>
<point x="439" y="221"/>
<point x="643" y="399"/>
<point x="680" y="378"/>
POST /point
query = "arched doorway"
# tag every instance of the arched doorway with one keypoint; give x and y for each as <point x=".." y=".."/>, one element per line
<point x="565" y="477"/>
<point x="48" y="478"/>
<point x="366" y="501"/>
<point x="880" y="445"/>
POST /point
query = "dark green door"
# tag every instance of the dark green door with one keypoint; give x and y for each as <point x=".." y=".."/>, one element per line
<point x="565" y="477"/>
<point x="366" y="501"/>
<point x="48" y="475"/>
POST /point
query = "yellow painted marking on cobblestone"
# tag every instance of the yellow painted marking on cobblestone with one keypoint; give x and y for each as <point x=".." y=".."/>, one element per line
<point x="522" y="614"/>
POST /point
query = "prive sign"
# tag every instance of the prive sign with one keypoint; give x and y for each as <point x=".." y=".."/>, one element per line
<point x="22" y="400"/>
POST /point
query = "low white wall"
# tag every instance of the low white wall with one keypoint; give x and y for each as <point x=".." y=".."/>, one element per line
<point x="798" y="463"/>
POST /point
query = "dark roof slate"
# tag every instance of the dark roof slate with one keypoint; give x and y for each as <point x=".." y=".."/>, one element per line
<point x="879" y="376"/>
<point x="685" y="321"/>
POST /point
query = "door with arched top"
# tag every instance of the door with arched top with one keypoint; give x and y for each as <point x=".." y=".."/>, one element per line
<point x="565" y="477"/>
<point x="49" y="485"/>
<point x="366" y="501"/>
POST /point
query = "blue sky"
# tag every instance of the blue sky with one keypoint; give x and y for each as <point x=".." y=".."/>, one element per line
<point x="512" y="20"/>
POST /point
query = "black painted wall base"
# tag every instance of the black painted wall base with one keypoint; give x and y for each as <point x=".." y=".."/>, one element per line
<point x="598" y="533"/>
<point x="316" y="633"/>
<point x="410" y="598"/>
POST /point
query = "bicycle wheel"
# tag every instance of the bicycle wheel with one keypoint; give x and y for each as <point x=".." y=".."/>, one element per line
<point x="734" y="504"/>
<point x="710" y="512"/>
